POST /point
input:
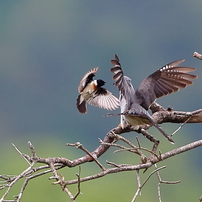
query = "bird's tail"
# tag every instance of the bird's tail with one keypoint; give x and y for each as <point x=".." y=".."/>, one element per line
<point x="154" y="124"/>
<point x="81" y="104"/>
<point x="161" y="131"/>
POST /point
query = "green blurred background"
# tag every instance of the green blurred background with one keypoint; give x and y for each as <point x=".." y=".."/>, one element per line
<point x="47" y="46"/>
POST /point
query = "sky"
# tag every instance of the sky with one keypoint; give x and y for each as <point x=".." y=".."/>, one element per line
<point x="47" y="46"/>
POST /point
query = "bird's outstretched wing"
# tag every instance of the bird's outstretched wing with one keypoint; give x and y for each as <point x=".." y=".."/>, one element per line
<point x="125" y="87"/>
<point x="166" y="80"/>
<point x="104" y="99"/>
<point x="122" y="82"/>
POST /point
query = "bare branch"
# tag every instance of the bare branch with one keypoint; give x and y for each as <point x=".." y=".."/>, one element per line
<point x="60" y="180"/>
<point x="139" y="183"/>
<point x="163" y="181"/>
<point x="138" y="192"/>
<point x="79" y="183"/>
<point x="140" y="166"/>
<point x="181" y="126"/>
<point x="53" y="164"/>
<point x="197" y="55"/>
<point x="94" y="157"/>
<point x="21" y="154"/>
<point x="58" y="163"/>
<point x="14" y="181"/>
<point x="169" y="115"/>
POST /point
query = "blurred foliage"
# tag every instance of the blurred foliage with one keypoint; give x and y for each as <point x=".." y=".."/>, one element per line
<point x="47" y="46"/>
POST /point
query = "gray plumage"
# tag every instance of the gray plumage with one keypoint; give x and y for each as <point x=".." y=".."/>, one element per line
<point x="134" y="104"/>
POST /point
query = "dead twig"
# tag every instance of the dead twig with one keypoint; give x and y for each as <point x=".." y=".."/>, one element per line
<point x="197" y="55"/>
<point x="139" y="183"/>
<point x="94" y="157"/>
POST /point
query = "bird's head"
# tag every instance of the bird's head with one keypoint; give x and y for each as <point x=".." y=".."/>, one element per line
<point x="100" y="82"/>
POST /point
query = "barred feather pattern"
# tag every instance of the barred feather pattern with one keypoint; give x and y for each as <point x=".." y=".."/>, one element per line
<point x="134" y="104"/>
<point x="166" y="80"/>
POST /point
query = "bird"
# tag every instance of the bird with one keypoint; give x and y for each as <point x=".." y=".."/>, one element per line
<point x="134" y="104"/>
<point x="92" y="92"/>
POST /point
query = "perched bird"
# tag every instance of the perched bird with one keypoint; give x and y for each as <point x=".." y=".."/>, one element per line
<point x="135" y="104"/>
<point x="91" y="91"/>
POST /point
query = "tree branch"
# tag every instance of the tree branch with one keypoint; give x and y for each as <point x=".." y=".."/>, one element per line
<point x="197" y="55"/>
<point x="53" y="164"/>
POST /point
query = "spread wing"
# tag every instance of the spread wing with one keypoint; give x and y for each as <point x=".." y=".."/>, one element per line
<point x="104" y="99"/>
<point x="122" y="82"/>
<point x="166" y="80"/>
<point x="88" y="77"/>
